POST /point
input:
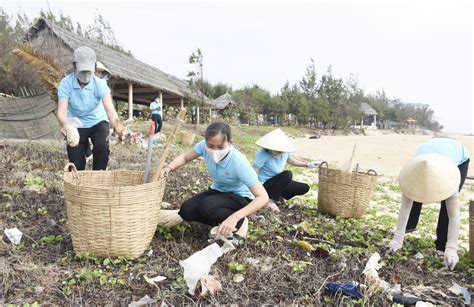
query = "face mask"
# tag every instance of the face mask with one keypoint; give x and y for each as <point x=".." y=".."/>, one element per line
<point x="84" y="76"/>
<point x="218" y="155"/>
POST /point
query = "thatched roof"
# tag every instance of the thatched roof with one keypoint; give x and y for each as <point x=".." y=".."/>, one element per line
<point x="122" y="66"/>
<point x="367" y="109"/>
<point x="28" y="118"/>
<point x="223" y="101"/>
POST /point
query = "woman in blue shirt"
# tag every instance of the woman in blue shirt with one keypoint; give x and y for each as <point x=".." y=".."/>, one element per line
<point x="86" y="97"/>
<point x="269" y="163"/>
<point x="156" y="107"/>
<point x="235" y="192"/>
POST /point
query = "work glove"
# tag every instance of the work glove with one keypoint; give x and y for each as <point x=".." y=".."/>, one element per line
<point x="451" y="257"/>
<point x="396" y="243"/>
<point x="314" y="164"/>
<point x="72" y="135"/>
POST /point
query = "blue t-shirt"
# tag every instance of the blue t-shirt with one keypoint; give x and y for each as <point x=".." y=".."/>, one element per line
<point x="157" y="105"/>
<point x="451" y="148"/>
<point x="86" y="103"/>
<point x="268" y="165"/>
<point x="232" y="174"/>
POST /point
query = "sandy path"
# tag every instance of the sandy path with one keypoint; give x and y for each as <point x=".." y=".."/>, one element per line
<point x="384" y="153"/>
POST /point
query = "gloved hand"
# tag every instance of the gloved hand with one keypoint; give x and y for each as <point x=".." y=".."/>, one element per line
<point x="397" y="242"/>
<point x="451" y="257"/>
<point x="72" y="135"/>
<point x="314" y="164"/>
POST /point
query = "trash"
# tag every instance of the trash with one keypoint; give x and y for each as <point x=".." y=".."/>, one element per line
<point x="458" y="290"/>
<point x="252" y="261"/>
<point x="154" y="280"/>
<point x="142" y="302"/>
<point x="423" y="304"/>
<point x="321" y="253"/>
<point x="267" y="265"/>
<point x="419" y="256"/>
<point x="372" y="266"/>
<point x="199" y="264"/>
<point x="305" y="245"/>
<point x="238" y="278"/>
<point x="349" y="289"/>
<point x="405" y="298"/>
<point x="210" y="284"/>
<point x="150" y="253"/>
<point x="14" y="235"/>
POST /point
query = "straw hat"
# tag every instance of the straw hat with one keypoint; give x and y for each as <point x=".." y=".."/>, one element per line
<point x="101" y="66"/>
<point x="276" y="140"/>
<point x="429" y="178"/>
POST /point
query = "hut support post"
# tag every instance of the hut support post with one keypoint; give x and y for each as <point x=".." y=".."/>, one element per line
<point x="197" y="117"/>
<point x="182" y="102"/>
<point x="375" y="120"/>
<point x="161" y="108"/>
<point x="130" y="101"/>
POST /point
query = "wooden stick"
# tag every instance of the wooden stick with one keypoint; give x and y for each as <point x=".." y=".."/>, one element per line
<point x="169" y="140"/>
<point x="349" y="167"/>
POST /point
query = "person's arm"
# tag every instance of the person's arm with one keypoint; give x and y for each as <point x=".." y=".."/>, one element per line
<point x="110" y="110"/>
<point x="182" y="159"/>
<point x="62" y="112"/>
<point x="261" y="198"/>
<point x="402" y="220"/>
<point x="451" y="257"/>
<point x="256" y="169"/>
<point x="296" y="162"/>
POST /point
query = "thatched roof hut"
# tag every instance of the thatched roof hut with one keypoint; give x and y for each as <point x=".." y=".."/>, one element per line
<point x="366" y="109"/>
<point x="132" y="80"/>
<point x="223" y="101"/>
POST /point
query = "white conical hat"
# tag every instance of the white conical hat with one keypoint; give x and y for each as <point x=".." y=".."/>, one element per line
<point x="429" y="178"/>
<point x="276" y="140"/>
<point x="102" y="66"/>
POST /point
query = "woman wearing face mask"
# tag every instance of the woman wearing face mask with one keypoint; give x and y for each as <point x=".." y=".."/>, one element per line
<point x="86" y="97"/>
<point x="269" y="163"/>
<point x="235" y="192"/>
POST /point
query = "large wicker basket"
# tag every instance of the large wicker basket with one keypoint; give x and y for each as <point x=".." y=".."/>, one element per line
<point x="471" y="230"/>
<point x="112" y="213"/>
<point x="344" y="194"/>
<point x="187" y="138"/>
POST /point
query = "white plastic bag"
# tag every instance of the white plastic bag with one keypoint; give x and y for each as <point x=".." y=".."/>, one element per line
<point x="14" y="235"/>
<point x="72" y="134"/>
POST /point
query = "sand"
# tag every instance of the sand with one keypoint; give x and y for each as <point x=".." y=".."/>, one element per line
<point x="385" y="152"/>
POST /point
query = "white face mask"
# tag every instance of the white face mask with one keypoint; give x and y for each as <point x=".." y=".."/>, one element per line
<point x="217" y="155"/>
<point x="84" y="76"/>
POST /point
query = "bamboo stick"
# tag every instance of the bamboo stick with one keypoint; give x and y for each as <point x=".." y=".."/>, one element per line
<point x="169" y="140"/>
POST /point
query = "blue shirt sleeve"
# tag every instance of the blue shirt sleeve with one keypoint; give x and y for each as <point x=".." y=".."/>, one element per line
<point x="200" y="147"/>
<point x="64" y="89"/>
<point x="247" y="174"/>
<point x="260" y="158"/>
<point x="103" y="88"/>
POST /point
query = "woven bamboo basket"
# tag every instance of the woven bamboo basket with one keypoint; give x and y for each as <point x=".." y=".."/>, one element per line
<point x="344" y="194"/>
<point x="187" y="138"/>
<point x="112" y="213"/>
<point x="471" y="230"/>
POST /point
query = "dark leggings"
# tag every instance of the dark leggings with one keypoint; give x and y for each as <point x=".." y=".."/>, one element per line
<point x="212" y="207"/>
<point x="283" y="185"/>
<point x="443" y="220"/>
<point x="158" y="122"/>
<point x="98" y="135"/>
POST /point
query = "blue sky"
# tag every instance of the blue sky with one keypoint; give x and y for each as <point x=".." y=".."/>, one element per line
<point x="417" y="51"/>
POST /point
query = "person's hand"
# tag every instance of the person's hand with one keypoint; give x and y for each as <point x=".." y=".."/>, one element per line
<point x="119" y="127"/>
<point x="314" y="164"/>
<point x="396" y="243"/>
<point x="167" y="170"/>
<point x="227" y="227"/>
<point x="451" y="257"/>
<point x="63" y="130"/>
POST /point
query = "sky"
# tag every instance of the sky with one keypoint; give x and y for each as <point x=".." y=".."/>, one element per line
<point x="416" y="51"/>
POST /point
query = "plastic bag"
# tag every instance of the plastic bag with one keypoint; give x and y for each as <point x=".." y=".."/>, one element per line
<point x="72" y="134"/>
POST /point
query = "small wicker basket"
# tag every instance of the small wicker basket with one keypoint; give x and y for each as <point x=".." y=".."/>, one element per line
<point x="112" y="213"/>
<point x="344" y="194"/>
<point x="187" y="138"/>
<point x="471" y="230"/>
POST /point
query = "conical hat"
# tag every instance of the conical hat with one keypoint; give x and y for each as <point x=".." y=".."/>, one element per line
<point x="429" y="178"/>
<point x="102" y="66"/>
<point x="276" y="140"/>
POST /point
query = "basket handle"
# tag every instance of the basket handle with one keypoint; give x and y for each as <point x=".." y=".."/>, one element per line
<point x="70" y="167"/>
<point x="323" y="163"/>
<point x="371" y="172"/>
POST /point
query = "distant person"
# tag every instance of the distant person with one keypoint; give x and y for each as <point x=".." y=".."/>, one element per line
<point x="235" y="192"/>
<point x="86" y="97"/>
<point x="102" y="72"/>
<point x="436" y="174"/>
<point x="156" y="108"/>
<point x="269" y="163"/>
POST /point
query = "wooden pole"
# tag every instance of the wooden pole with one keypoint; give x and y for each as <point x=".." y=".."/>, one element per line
<point x="182" y="102"/>
<point x="197" y="117"/>
<point x="130" y="101"/>
<point x="161" y="108"/>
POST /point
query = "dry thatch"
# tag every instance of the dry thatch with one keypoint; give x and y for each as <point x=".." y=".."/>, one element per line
<point x="223" y="101"/>
<point x="366" y="109"/>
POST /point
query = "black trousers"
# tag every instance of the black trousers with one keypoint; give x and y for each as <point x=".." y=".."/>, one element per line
<point x="212" y="207"/>
<point x="443" y="220"/>
<point x="158" y="122"/>
<point x="283" y="185"/>
<point x="98" y="135"/>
